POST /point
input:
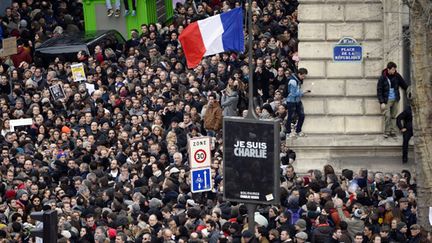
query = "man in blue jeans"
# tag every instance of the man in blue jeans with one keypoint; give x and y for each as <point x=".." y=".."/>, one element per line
<point x="295" y="106"/>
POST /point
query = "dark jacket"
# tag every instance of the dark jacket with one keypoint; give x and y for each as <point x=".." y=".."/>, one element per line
<point x="322" y="234"/>
<point x="383" y="87"/>
<point x="398" y="236"/>
<point x="415" y="239"/>
<point x="261" y="80"/>
<point x="404" y="119"/>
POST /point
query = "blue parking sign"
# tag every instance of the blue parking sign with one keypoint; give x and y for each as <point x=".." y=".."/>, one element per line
<point x="201" y="180"/>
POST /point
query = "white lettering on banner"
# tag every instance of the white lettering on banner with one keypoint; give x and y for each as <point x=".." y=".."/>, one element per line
<point x="250" y="149"/>
<point x="249" y="195"/>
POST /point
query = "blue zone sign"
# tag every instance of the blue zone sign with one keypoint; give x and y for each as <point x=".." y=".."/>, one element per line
<point x="201" y="180"/>
<point x="347" y="53"/>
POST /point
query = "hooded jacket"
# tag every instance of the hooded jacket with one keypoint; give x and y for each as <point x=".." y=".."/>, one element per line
<point x="294" y="90"/>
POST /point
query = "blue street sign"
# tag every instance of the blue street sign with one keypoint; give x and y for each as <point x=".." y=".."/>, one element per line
<point x="347" y="53"/>
<point x="201" y="180"/>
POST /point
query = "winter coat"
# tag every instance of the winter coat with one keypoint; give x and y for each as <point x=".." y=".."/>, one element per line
<point x="229" y="103"/>
<point x="322" y="234"/>
<point x="213" y="117"/>
<point x="23" y="55"/>
<point x="335" y="216"/>
<point x="261" y="80"/>
<point x="405" y="117"/>
<point x="355" y="225"/>
<point x="345" y="237"/>
<point x="383" y="87"/>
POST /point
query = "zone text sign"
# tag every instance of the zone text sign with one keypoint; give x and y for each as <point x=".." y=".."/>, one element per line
<point x="199" y="152"/>
<point x="251" y="160"/>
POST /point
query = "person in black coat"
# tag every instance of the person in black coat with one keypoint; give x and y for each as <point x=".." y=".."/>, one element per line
<point x="389" y="96"/>
<point x="261" y="81"/>
<point x="404" y="123"/>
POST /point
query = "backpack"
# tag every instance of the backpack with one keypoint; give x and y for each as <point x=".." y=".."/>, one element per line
<point x="295" y="216"/>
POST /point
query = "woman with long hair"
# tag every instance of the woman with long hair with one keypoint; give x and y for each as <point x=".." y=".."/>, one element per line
<point x="5" y="127"/>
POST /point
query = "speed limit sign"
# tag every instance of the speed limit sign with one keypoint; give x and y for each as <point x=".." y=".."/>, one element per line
<point x="199" y="152"/>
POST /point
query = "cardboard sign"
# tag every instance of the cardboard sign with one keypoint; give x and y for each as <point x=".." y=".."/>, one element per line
<point x="78" y="73"/>
<point x="9" y="47"/>
<point x="57" y="92"/>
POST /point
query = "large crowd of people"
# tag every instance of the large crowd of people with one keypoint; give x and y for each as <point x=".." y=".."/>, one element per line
<point x="113" y="163"/>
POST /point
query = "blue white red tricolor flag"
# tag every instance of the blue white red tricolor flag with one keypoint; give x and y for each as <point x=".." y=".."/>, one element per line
<point x="216" y="34"/>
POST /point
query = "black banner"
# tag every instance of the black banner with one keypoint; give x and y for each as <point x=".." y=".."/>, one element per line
<point x="251" y="160"/>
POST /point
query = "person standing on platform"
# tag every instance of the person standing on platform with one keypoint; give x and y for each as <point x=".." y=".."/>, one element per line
<point x="388" y="96"/>
<point x="295" y="106"/>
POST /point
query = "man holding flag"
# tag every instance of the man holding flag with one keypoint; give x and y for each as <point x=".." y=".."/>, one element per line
<point x="216" y="34"/>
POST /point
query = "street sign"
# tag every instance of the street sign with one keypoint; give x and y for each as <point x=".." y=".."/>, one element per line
<point x="199" y="152"/>
<point x="251" y="160"/>
<point x="347" y="50"/>
<point x="201" y="180"/>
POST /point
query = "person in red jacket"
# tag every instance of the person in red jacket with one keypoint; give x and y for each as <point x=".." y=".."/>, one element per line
<point x="23" y="54"/>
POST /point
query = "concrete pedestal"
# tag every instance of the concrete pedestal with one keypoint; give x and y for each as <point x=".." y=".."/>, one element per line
<point x="350" y="151"/>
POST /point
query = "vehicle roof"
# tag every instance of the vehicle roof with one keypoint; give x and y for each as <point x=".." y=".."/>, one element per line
<point x="81" y="38"/>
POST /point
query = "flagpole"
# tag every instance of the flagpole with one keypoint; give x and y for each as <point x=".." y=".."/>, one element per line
<point x="251" y="110"/>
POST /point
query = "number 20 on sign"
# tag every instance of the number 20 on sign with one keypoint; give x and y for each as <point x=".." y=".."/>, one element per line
<point x="199" y="152"/>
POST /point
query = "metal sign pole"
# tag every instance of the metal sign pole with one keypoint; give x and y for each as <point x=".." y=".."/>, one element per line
<point x="251" y="216"/>
<point x="251" y="110"/>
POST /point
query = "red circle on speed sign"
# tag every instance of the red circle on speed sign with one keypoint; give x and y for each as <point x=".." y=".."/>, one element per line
<point x="200" y="156"/>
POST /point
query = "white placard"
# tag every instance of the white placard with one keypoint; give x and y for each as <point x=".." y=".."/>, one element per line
<point x="90" y="88"/>
<point x="78" y="73"/>
<point x="20" y="122"/>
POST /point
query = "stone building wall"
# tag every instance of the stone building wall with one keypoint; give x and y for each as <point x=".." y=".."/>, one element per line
<point x="343" y="98"/>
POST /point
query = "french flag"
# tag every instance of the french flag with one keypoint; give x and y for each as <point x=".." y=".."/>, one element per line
<point x="216" y="34"/>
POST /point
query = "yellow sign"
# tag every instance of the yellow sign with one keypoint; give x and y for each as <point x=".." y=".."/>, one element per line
<point x="9" y="47"/>
<point x="78" y="73"/>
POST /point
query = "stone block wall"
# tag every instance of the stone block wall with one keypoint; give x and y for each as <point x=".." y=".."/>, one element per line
<point x="343" y="98"/>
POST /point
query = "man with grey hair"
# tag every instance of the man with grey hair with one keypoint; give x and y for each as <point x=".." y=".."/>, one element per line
<point x="178" y="159"/>
<point x="100" y="235"/>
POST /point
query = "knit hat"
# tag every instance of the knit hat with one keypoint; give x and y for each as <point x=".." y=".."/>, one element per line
<point x="358" y="213"/>
<point x="20" y="193"/>
<point x="326" y="190"/>
<point x="415" y="227"/>
<point x="66" y="234"/>
<point x="301" y="223"/>
<point x="301" y="235"/>
<point x="400" y="225"/>
<point x="10" y="194"/>
<point x="112" y="233"/>
<point x="261" y="220"/>
<point x="191" y="203"/>
<point x="65" y="129"/>
<point x="155" y="203"/>
<point x="247" y="234"/>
